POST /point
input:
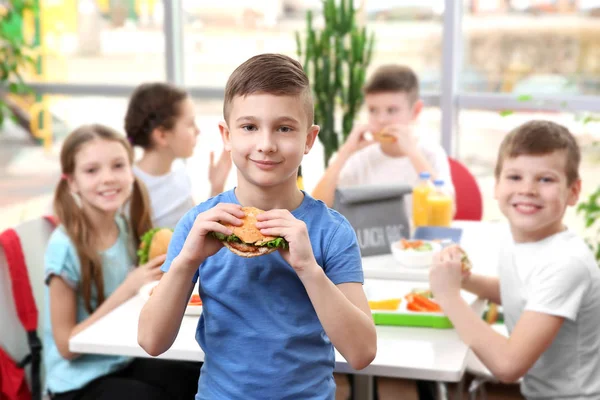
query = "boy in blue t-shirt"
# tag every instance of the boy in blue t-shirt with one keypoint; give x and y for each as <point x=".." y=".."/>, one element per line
<point x="269" y="323"/>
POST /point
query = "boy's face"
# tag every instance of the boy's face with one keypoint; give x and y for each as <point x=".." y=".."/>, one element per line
<point x="268" y="136"/>
<point x="533" y="194"/>
<point x="390" y="108"/>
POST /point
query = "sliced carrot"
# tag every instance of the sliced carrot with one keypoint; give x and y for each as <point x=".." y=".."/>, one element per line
<point x="195" y="300"/>
<point x="426" y="303"/>
<point x="416" y="307"/>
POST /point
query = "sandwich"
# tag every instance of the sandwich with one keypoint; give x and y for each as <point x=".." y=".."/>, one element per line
<point x="154" y="243"/>
<point x="246" y="240"/>
<point x="384" y="137"/>
<point x="465" y="261"/>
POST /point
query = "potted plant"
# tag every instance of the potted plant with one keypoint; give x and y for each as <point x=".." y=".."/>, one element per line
<point x="15" y="58"/>
<point x="590" y="210"/>
<point x="335" y="58"/>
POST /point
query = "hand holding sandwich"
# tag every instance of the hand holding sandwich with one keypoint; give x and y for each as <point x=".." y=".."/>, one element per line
<point x="281" y="223"/>
<point x="200" y="243"/>
<point x="356" y="141"/>
<point x="450" y="268"/>
<point x="144" y="273"/>
<point x="402" y="136"/>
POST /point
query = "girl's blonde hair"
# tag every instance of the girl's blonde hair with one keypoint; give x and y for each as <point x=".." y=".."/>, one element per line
<point x="77" y="224"/>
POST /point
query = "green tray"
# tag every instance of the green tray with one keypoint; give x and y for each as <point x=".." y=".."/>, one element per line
<point x="430" y="320"/>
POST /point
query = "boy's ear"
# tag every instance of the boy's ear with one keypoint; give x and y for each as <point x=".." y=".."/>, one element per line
<point x="313" y="131"/>
<point x="574" y="192"/>
<point x="225" y="135"/>
<point x="416" y="109"/>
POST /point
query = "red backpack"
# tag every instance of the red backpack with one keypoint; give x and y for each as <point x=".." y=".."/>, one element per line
<point x="13" y="384"/>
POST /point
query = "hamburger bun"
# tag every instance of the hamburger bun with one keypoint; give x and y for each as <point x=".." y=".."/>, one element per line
<point x="383" y="137"/>
<point x="246" y="240"/>
<point x="465" y="261"/>
<point x="154" y="243"/>
<point x="160" y="243"/>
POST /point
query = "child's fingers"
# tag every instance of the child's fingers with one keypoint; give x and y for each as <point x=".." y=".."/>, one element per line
<point x="212" y="226"/>
<point x="233" y="209"/>
<point x="274" y="223"/>
<point x="211" y="158"/>
<point x="276" y="231"/>
<point x="275" y="214"/>
<point x="223" y="217"/>
<point x="156" y="261"/>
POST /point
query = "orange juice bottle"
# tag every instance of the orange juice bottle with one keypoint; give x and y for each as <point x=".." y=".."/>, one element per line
<point x="419" y="200"/>
<point x="439" y="205"/>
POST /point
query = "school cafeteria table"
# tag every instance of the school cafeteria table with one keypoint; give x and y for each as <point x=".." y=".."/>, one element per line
<point x="414" y="353"/>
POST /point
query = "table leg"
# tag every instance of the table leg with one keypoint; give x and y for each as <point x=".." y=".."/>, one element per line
<point x="362" y="387"/>
<point x="444" y="394"/>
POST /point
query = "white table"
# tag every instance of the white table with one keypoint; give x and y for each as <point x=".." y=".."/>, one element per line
<point x="414" y="353"/>
<point x="479" y="239"/>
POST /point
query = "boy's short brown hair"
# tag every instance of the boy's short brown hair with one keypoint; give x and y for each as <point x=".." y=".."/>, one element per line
<point x="274" y="74"/>
<point x="394" y="78"/>
<point x="539" y="138"/>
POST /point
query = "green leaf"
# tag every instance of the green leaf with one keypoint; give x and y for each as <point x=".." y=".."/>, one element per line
<point x="276" y="243"/>
<point x="525" y="97"/>
<point x="505" y="113"/>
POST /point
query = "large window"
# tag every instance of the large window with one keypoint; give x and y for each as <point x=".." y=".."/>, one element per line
<point x="103" y="41"/>
<point x="219" y="36"/>
<point x="531" y="47"/>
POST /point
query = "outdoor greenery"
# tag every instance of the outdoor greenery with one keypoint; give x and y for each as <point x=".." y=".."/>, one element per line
<point x="16" y="54"/>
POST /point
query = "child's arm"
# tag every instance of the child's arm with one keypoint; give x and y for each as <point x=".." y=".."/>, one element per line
<point x="507" y="358"/>
<point x="217" y="173"/>
<point x="486" y="287"/>
<point x="325" y="189"/>
<point x="343" y="309"/>
<point x="190" y="245"/>
<point x="63" y="304"/>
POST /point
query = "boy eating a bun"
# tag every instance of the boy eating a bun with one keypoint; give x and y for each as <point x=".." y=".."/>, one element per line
<point x="269" y="322"/>
<point x="548" y="280"/>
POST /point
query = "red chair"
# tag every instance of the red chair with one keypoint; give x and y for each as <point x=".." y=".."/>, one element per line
<point x="469" y="202"/>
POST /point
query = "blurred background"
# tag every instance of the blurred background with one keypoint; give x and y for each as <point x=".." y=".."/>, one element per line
<point x="485" y="66"/>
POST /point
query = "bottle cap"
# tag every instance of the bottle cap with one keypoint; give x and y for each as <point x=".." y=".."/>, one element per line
<point x="424" y="175"/>
<point x="438" y="182"/>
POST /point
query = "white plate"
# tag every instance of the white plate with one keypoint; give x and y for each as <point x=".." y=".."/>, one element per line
<point x="415" y="259"/>
<point x="189" y="310"/>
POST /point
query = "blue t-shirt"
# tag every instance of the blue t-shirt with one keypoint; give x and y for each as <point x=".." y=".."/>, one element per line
<point x="61" y="259"/>
<point x="260" y="334"/>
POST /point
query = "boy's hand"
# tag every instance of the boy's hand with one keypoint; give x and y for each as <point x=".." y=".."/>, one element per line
<point x="217" y="173"/>
<point x="283" y="224"/>
<point x="405" y="139"/>
<point x="356" y="140"/>
<point x="446" y="275"/>
<point x="199" y="245"/>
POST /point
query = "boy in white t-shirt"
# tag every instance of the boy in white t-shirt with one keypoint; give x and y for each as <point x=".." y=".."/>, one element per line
<point x="395" y="153"/>
<point x="549" y="281"/>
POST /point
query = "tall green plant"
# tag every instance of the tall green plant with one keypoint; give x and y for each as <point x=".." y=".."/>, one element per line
<point x="590" y="209"/>
<point x="15" y="52"/>
<point x="335" y="59"/>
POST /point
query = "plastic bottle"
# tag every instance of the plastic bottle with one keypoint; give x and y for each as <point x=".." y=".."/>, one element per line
<point x="439" y="204"/>
<point x="419" y="200"/>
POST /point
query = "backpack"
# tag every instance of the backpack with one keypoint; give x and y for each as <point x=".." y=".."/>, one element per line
<point x="13" y="383"/>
